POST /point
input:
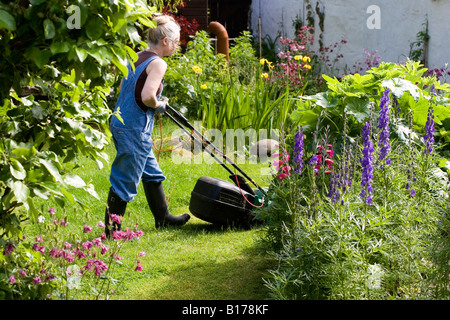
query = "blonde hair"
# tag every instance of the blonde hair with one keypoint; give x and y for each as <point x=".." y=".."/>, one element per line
<point x="166" y="26"/>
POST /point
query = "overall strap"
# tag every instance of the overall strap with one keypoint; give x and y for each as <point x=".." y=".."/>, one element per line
<point x="142" y="76"/>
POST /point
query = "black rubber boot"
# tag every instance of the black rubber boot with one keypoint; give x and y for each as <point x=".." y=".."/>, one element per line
<point x="116" y="206"/>
<point x="156" y="199"/>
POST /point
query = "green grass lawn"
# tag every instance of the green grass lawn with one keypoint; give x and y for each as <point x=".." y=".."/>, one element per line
<point x="196" y="261"/>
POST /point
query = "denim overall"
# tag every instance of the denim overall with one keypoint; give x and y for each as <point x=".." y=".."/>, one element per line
<point x="134" y="159"/>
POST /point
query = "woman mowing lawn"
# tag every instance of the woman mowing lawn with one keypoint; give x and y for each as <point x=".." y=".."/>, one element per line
<point x="138" y="102"/>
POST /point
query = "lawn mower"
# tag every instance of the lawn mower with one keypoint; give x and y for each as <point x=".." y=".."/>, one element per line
<point x="215" y="200"/>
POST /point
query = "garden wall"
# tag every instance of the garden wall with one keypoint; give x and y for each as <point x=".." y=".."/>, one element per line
<point x="384" y="25"/>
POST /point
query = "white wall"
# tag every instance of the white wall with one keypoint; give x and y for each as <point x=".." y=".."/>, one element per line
<point x="400" y="21"/>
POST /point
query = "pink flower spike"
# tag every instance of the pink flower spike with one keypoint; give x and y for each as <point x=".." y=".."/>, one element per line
<point x="87" y="229"/>
<point x="139" y="266"/>
<point x="115" y="218"/>
<point x="330" y="153"/>
<point x="100" y="224"/>
<point x="277" y="164"/>
<point x="98" y="241"/>
<point x="104" y="249"/>
<point x="142" y="254"/>
<point x="37" y="280"/>
<point x="12" y="279"/>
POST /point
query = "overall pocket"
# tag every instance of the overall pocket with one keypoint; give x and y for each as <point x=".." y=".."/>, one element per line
<point x="124" y="139"/>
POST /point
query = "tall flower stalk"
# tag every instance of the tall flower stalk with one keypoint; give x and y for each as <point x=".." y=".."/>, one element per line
<point x="367" y="165"/>
<point x="383" y="126"/>
<point x="429" y="136"/>
<point x="298" y="151"/>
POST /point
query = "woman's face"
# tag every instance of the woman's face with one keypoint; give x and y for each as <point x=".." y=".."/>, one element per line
<point x="172" y="45"/>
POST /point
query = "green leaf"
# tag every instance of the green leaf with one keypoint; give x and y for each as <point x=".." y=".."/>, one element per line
<point x="81" y="53"/>
<point x="321" y="99"/>
<point x="52" y="169"/>
<point x="441" y="113"/>
<point x="121" y="64"/>
<point x="41" y="193"/>
<point x="74" y="181"/>
<point x="304" y="117"/>
<point x="21" y="191"/>
<point x="117" y="115"/>
<point x="91" y="190"/>
<point x="147" y="22"/>
<point x="49" y="29"/>
<point x="60" y="47"/>
<point x="133" y="55"/>
<point x="359" y="108"/>
<point x="94" y="28"/>
<point x="39" y="112"/>
<point x="7" y="21"/>
<point x="398" y="86"/>
<point x="17" y="170"/>
<point x="444" y="164"/>
<point x="133" y="34"/>
<point x="42" y="57"/>
<point x="102" y="55"/>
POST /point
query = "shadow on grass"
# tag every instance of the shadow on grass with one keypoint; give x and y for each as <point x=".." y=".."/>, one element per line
<point x="236" y="279"/>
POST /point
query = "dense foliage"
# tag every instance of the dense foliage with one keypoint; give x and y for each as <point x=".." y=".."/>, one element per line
<point x="359" y="206"/>
<point x="59" y="61"/>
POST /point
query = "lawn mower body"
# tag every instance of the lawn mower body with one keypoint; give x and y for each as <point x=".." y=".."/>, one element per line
<point x="221" y="202"/>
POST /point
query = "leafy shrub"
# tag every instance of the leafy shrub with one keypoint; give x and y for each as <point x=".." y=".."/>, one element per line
<point x="54" y="88"/>
<point x="364" y="216"/>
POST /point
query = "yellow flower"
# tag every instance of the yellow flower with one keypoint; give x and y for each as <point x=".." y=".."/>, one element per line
<point x="197" y="69"/>
<point x="307" y="66"/>
<point x="262" y="61"/>
<point x="306" y="59"/>
<point x="204" y="86"/>
<point x="270" y="64"/>
<point x="264" y="75"/>
<point x="298" y="57"/>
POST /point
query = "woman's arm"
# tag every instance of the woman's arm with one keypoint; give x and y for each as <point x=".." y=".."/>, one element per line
<point x="155" y="74"/>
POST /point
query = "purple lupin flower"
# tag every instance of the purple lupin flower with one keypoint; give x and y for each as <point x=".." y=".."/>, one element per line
<point x="429" y="135"/>
<point x="383" y="125"/>
<point x="313" y="161"/>
<point x="333" y="191"/>
<point x="298" y="152"/>
<point x="367" y="165"/>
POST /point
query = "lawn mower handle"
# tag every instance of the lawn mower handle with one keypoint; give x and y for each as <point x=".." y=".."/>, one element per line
<point x="181" y="121"/>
